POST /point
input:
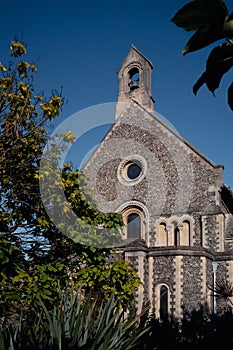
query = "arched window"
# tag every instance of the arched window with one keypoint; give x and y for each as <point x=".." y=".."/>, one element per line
<point x="133" y="226"/>
<point x="163" y="301"/>
<point x="162" y="238"/>
<point x="176" y="236"/>
<point x="134" y="81"/>
<point x="136" y="219"/>
<point x="185" y="235"/>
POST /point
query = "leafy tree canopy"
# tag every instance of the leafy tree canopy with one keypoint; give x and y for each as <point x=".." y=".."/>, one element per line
<point x="36" y="259"/>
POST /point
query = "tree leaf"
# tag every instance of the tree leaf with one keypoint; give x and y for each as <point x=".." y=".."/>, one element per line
<point x="218" y="63"/>
<point x="202" y="38"/>
<point x="230" y="96"/>
<point x="201" y="81"/>
<point x="228" y="26"/>
<point x="199" y="13"/>
<point x="220" y="60"/>
<point x="189" y="17"/>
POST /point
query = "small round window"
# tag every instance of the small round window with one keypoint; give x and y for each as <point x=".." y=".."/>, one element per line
<point x="133" y="170"/>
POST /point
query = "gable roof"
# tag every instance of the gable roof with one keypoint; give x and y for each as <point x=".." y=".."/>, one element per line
<point x="155" y="116"/>
<point x="134" y="49"/>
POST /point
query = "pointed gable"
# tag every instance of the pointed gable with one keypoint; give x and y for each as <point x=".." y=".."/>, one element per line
<point x="134" y="79"/>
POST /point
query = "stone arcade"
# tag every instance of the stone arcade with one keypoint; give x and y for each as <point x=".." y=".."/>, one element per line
<point x="177" y="211"/>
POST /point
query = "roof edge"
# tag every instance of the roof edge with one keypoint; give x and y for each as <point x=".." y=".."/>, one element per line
<point x="194" y="149"/>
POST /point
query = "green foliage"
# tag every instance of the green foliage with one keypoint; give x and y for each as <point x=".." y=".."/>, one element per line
<point x="218" y="63"/>
<point x="105" y="274"/>
<point x="89" y="323"/>
<point x="22" y="139"/>
<point x="211" y="22"/>
<point x="37" y="260"/>
<point x="75" y="323"/>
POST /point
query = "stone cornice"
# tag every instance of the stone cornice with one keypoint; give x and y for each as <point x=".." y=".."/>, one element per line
<point x="184" y="251"/>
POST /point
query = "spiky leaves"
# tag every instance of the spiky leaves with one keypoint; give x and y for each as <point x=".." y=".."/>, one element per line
<point x="75" y="323"/>
<point x="223" y="290"/>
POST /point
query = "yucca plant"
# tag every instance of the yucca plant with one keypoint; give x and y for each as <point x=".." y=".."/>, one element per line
<point x="91" y="325"/>
<point x="223" y="290"/>
<point x="76" y="323"/>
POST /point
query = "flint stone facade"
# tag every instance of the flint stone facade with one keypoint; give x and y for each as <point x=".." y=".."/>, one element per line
<point x="180" y="208"/>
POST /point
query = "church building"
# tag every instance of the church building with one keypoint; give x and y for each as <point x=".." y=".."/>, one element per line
<point x="178" y="213"/>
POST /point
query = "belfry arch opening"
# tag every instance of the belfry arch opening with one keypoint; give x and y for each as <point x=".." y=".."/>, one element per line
<point x="134" y="81"/>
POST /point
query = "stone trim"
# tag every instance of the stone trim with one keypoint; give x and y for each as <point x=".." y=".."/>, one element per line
<point x="169" y="222"/>
<point x="204" y="292"/>
<point x="178" y="286"/>
<point x="220" y="223"/>
<point x="121" y="170"/>
<point x="139" y="208"/>
<point x="150" y="282"/>
<point x="157" y="303"/>
<point x="141" y="273"/>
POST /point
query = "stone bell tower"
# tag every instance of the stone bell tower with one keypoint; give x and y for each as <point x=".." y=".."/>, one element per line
<point x="178" y="213"/>
<point x="134" y="79"/>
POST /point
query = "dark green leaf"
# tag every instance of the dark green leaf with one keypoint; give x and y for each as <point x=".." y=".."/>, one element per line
<point x="218" y="63"/>
<point x="199" y="13"/>
<point x="190" y="17"/>
<point x="228" y="26"/>
<point x="230" y="96"/>
<point x="201" y="81"/>
<point x="202" y="38"/>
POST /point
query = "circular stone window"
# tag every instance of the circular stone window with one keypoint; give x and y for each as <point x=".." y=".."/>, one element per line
<point x="131" y="170"/>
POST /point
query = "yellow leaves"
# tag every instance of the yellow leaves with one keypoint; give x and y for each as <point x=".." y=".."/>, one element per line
<point x="39" y="98"/>
<point x="24" y="90"/>
<point x="68" y="136"/>
<point x="23" y="87"/>
<point x="17" y="49"/>
<point x="2" y="67"/>
<point x="10" y="95"/>
<point x="33" y="67"/>
<point x="48" y="111"/>
<point x="6" y="83"/>
<point x="52" y="108"/>
<point x="22" y="68"/>
<point x="67" y="166"/>
<point x="56" y="102"/>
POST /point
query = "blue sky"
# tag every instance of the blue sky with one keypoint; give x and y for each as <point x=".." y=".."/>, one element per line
<point x="81" y="44"/>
